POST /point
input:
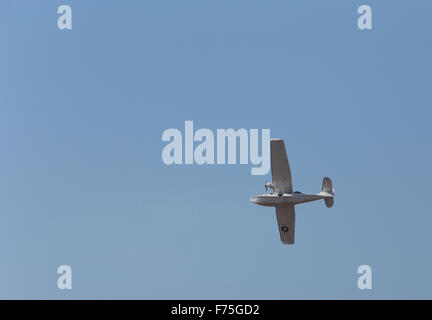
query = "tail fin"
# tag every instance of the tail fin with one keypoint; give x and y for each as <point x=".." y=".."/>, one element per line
<point x="327" y="187"/>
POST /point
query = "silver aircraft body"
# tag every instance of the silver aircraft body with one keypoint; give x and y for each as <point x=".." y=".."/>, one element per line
<point x="284" y="198"/>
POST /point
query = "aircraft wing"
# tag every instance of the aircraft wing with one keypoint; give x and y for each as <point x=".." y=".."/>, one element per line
<point x="286" y="222"/>
<point x="281" y="173"/>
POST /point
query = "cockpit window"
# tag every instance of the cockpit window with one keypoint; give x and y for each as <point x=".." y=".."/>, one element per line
<point x="297" y="192"/>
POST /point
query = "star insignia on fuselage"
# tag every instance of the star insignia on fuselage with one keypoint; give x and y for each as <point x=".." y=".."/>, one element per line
<point x="284" y="228"/>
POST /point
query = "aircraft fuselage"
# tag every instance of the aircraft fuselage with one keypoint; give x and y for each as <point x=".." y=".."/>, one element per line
<point x="276" y="200"/>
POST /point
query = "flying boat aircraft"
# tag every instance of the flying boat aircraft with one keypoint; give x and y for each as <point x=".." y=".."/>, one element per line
<point x="283" y="197"/>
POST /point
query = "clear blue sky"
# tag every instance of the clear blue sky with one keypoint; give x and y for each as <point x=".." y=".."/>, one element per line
<point x="82" y="181"/>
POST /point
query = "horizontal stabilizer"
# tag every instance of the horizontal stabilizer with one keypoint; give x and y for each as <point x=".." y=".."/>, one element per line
<point x="327" y="185"/>
<point x="329" y="202"/>
<point x="327" y="189"/>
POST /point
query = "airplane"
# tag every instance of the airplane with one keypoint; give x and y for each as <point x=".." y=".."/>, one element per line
<point x="283" y="198"/>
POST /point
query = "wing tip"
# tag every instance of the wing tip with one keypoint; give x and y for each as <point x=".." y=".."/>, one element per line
<point x="288" y="242"/>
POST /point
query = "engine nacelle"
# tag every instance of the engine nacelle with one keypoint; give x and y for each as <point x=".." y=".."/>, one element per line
<point x="269" y="185"/>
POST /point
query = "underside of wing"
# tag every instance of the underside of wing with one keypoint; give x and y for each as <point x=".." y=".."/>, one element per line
<point x="286" y="222"/>
<point x="281" y="173"/>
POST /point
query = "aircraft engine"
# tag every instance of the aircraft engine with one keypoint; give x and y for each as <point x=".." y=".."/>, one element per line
<point x="269" y="185"/>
